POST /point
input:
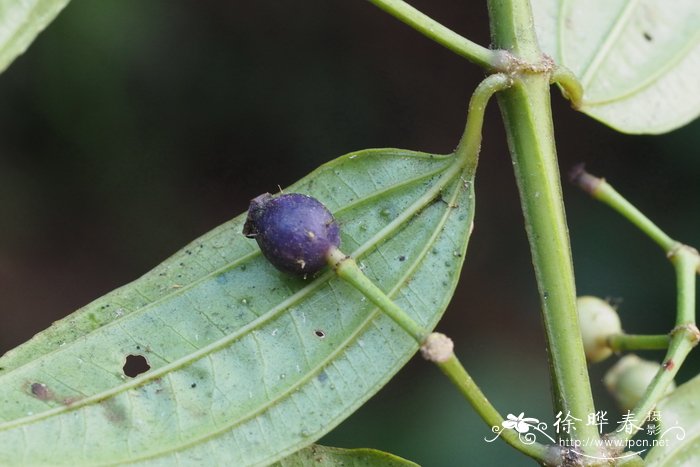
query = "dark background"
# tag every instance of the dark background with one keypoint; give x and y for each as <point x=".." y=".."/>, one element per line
<point x="130" y="128"/>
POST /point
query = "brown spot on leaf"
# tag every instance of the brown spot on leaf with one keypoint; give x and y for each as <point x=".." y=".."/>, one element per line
<point x="114" y="412"/>
<point x="70" y="400"/>
<point x="41" y="391"/>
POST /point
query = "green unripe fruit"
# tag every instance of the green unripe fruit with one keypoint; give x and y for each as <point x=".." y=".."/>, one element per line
<point x="598" y="321"/>
<point x="629" y="378"/>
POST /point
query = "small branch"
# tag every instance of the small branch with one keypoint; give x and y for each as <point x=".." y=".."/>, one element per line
<point x="444" y="36"/>
<point x="684" y="337"/>
<point x="347" y="269"/>
<point x="467" y="151"/>
<point x="681" y="345"/>
<point x="439" y="349"/>
<point x="686" y="262"/>
<point x="626" y="342"/>
<point x="570" y="85"/>
<point x="453" y="369"/>
<point x="601" y="190"/>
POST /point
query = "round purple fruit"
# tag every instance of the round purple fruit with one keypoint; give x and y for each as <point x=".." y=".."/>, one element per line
<point x="295" y="232"/>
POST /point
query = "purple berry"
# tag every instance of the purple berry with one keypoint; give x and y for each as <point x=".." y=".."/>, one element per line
<point x="295" y="232"/>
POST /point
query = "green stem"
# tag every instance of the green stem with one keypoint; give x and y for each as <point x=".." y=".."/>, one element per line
<point x="601" y="190"/>
<point x="679" y="348"/>
<point x="453" y="369"/>
<point x="625" y="342"/>
<point x="467" y="152"/>
<point x="347" y="269"/>
<point x="686" y="262"/>
<point x="682" y="342"/>
<point x="571" y="86"/>
<point x="526" y="113"/>
<point x="683" y="338"/>
<point x="466" y="159"/>
<point x="430" y="28"/>
<point x="466" y="156"/>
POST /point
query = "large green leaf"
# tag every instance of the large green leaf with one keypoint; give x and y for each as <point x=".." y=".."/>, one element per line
<point x="323" y="456"/>
<point x="247" y="364"/>
<point x="679" y="444"/>
<point x="20" y="22"/>
<point x="638" y="60"/>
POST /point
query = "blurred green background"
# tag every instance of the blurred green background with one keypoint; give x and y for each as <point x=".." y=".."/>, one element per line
<point x="129" y="128"/>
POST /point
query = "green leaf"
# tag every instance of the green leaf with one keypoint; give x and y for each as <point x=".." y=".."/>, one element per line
<point x="20" y="22"/>
<point x="638" y="60"/>
<point x="247" y="364"/>
<point x="680" y="428"/>
<point x="323" y="456"/>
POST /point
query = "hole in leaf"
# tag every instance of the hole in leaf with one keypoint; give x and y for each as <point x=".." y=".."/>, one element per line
<point x="135" y="365"/>
<point x="320" y="334"/>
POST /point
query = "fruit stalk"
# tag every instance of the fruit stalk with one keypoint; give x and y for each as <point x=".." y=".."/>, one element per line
<point x="438" y="348"/>
<point x="625" y="342"/>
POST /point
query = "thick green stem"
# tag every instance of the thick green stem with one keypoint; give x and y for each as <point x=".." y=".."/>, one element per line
<point x="430" y="28"/>
<point x="527" y="116"/>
